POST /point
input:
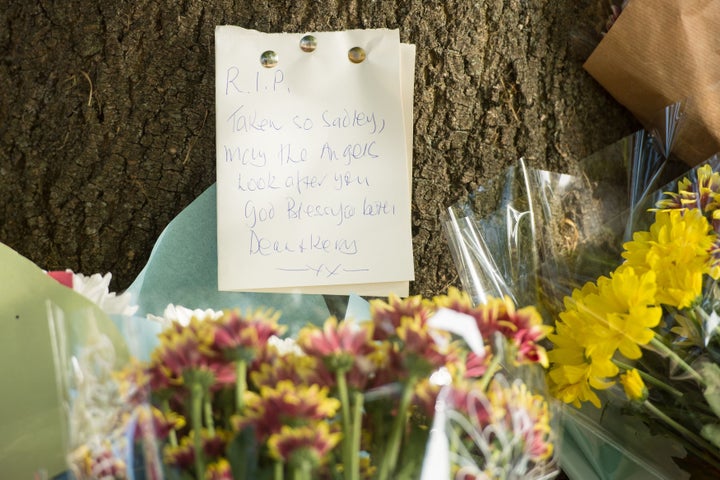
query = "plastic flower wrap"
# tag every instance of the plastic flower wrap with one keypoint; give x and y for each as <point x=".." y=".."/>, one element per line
<point x="556" y="240"/>
<point x="102" y="426"/>
<point x="651" y="324"/>
<point x="109" y="427"/>
<point x="230" y="397"/>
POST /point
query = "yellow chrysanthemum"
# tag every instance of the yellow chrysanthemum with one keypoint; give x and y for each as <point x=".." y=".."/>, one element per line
<point x="615" y="314"/>
<point x="677" y="249"/>
<point x="627" y="299"/>
<point x="574" y="373"/>
<point x="575" y="383"/>
<point x="634" y="386"/>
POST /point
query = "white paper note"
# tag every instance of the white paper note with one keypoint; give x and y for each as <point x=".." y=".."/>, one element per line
<point x="313" y="163"/>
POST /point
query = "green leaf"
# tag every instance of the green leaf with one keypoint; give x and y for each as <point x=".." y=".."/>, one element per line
<point x="711" y="374"/>
<point x="711" y="433"/>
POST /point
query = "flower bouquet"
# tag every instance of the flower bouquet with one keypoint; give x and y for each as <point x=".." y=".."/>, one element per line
<point x="422" y="389"/>
<point x="651" y="324"/>
<point x="106" y="421"/>
<point x="32" y="439"/>
<point x="558" y="241"/>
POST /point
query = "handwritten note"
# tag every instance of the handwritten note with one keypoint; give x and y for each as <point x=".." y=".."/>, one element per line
<point x="313" y="155"/>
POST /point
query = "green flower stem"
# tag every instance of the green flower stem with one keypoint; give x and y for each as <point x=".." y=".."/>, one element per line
<point x="340" y="376"/>
<point x="393" y="447"/>
<point x="209" y="422"/>
<point x="694" y="438"/>
<point x="302" y="471"/>
<point x="650" y="379"/>
<point x="454" y="441"/>
<point x="196" y="403"/>
<point x="664" y="349"/>
<point x="240" y="384"/>
<point x="700" y="314"/>
<point x="278" y="470"/>
<point x="490" y="372"/>
<point x="172" y="434"/>
<point x="356" y="431"/>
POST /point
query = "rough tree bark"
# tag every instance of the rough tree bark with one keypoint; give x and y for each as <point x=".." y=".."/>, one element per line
<point x="107" y="112"/>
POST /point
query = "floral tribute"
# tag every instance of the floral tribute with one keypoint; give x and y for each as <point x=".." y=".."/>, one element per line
<point x="651" y="325"/>
<point x="232" y="399"/>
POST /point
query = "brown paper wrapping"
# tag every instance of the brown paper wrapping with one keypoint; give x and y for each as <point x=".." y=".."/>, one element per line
<point x="660" y="52"/>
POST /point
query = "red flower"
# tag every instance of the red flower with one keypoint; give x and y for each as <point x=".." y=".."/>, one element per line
<point x="425" y="397"/>
<point x="424" y="349"/>
<point x="182" y="455"/>
<point x="299" y="369"/>
<point x="188" y="351"/>
<point x="334" y="339"/>
<point x="215" y="445"/>
<point x="524" y="328"/>
<point x="344" y="347"/>
<point x="241" y="337"/>
<point x="219" y="470"/>
<point x="476" y="365"/>
<point x="305" y="443"/>
<point x="387" y="316"/>
<point x="285" y="403"/>
<point x="152" y="421"/>
<point x="472" y="403"/>
<point x="389" y="365"/>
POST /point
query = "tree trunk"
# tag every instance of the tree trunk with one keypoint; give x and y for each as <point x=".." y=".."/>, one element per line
<point x="107" y="112"/>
